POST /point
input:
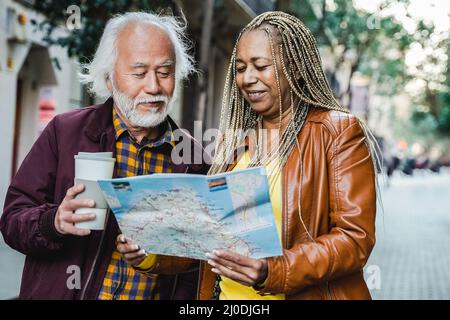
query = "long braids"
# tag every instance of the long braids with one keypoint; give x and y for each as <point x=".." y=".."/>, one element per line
<point x="311" y="88"/>
<point x="307" y="82"/>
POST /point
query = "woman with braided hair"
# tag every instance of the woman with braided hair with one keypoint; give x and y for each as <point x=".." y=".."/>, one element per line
<point x="321" y="164"/>
<point x="321" y="169"/>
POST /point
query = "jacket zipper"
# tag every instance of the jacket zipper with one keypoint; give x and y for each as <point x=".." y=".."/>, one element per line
<point x="199" y="281"/>
<point x="330" y="296"/>
<point x="284" y="237"/>
<point x="172" y="294"/>
<point x="97" y="254"/>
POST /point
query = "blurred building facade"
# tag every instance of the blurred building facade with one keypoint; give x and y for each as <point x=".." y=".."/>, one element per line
<point x="228" y="19"/>
<point x="32" y="87"/>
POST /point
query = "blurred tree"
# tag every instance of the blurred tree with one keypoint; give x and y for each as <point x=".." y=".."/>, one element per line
<point x="373" y="45"/>
<point x="82" y="41"/>
<point x="434" y="100"/>
<point x="376" y="45"/>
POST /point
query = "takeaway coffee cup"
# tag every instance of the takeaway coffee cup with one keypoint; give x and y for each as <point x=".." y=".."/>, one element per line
<point x="94" y="168"/>
<point x="90" y="167"/>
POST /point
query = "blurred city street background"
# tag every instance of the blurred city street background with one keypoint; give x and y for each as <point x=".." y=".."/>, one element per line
<point x="386" y="61"/>
<point x="413" y="238"/>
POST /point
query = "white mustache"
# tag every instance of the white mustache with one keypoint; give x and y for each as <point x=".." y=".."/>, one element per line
<point x="151" y="99"/>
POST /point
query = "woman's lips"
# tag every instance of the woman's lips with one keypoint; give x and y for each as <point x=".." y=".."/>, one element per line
<point x="255" y="96"/>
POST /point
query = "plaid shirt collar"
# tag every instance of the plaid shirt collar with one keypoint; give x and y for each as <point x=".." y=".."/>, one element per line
<point x="120" y="128"/>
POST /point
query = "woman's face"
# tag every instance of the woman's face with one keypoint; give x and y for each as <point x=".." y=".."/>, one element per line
<point x="255" y="74"/>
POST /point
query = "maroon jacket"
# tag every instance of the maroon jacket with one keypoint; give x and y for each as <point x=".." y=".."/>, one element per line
<point x="27" y="223"/>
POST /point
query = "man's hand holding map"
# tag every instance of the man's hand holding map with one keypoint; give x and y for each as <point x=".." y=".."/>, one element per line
<point x="189" y="215"/>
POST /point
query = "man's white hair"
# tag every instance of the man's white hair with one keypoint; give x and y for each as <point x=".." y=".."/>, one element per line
<point x="101" y="67"/>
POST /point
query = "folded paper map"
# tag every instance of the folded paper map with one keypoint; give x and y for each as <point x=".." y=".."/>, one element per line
<point x="188" y="215"/>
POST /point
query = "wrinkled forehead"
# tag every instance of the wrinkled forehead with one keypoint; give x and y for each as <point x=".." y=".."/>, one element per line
<point x="140" y="36"/>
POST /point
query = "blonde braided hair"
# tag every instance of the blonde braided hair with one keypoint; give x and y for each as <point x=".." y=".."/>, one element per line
<point x="298" y="46"/>
<point x="310" y="88"/>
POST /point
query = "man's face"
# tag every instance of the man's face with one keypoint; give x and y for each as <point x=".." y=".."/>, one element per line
<point x="144" y="75"/>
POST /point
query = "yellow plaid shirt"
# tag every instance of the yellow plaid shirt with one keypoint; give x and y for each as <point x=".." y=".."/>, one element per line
<point x="121" y="281"/>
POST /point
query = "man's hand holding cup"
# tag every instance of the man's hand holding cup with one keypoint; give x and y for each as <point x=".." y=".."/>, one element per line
<point x="65" y="219"/>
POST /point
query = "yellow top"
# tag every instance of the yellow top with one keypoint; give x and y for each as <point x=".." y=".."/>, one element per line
<point x="231" y="290"/>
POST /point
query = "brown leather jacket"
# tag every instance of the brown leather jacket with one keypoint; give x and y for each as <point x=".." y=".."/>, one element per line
<point x="338" y="200"/>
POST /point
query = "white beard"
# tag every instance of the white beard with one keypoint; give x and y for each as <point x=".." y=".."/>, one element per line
<point x="148" y="119"/>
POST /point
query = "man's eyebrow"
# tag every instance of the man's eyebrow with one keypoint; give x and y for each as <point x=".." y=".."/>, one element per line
<point x="139" y="65"/>
<point x="167" y="63"/>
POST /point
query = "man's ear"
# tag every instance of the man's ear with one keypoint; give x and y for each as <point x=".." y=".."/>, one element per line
<point x="108" y="83"/>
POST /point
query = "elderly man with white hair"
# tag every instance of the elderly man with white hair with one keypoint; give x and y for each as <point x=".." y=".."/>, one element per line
<point x="141" y="59"/>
